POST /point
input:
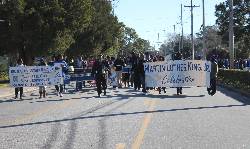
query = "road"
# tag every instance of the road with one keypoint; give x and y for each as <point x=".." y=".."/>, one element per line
<point x="126" y="119"/>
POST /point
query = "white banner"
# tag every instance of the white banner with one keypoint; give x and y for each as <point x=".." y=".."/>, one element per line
<point x="30" y="76"/>
<point x="178" y="73"/>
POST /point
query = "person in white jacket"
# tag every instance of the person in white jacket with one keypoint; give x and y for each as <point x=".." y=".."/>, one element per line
<point x="60" y="62"/>
<point x="19" y="89"/>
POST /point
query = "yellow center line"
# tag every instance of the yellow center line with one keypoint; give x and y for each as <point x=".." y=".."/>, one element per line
<point x="120" y="146"/>
<point x="139" y="139"/>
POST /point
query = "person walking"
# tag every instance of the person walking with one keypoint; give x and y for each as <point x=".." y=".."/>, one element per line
<point x="42" y="89"/>
<point x="139" y="74"/>
<point x="133" y="63"/>
<point x="178" y="56"/>
<point x="60" y="62"/>
<point x="19" y="89"/>
<point x="119" y="64"/>
<point x="99" y="72"/>
<point x="160" y="59"/>
<point x="213" y="77"/>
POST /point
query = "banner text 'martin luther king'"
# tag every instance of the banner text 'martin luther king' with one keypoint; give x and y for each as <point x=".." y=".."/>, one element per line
<point x="178" y="73"/>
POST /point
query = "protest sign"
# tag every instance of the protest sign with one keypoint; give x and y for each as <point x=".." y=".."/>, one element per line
<point x="30" y="76"/>
<point x="178" y="73"/>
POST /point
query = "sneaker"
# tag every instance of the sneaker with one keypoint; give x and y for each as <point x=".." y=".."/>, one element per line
<point x="61" y="94"/>
<point x="57" y="93"/>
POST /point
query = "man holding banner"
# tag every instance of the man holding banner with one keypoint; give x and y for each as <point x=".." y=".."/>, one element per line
<point x="60" y="63"/>
<point x="17" y="89"/>
<point x="213" y="76"/>
<point x="42" y="89"/>
<point x="178" y="56"/>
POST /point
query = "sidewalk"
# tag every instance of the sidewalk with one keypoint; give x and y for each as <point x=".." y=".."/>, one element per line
<point x="10" y="91"/>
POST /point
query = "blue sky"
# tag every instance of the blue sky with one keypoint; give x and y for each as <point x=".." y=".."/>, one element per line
<point x="150" y="17"/>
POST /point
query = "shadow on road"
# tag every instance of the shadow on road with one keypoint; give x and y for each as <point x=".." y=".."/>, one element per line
<point x="90" y="91"/>
<point x="234" y="95"/>
<point x="121" y="114"/>
<point x="152" y="96"/>
<point x="16" y="100"/>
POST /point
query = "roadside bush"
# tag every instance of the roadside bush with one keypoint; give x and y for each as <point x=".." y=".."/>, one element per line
<point x="235" y="78"/>
<point x="4" y="76"/>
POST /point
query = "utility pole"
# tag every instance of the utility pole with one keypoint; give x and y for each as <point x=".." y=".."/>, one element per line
<point x="203" y="36"/>
<point x="174" y="39"/>
<point x="181" y="29"/>
<point x="231" y="34"/>
<point x="192" y="26"/>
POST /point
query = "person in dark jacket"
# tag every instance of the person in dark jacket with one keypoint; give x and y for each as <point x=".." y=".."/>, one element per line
<point x="161" y="58"/>
<point x="139" y="74"/>
<point x="133" y="62"/>
<point x="99" y="72"/>
<point x="213" y="76"/>
<point x="178" y="56"/>
<point x="119" y="64"/>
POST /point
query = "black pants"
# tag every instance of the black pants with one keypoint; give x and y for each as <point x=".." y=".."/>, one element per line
<point x="137" y="81"/>
<point x="17" y="89"/>
<point x="60" y="90"/>
<point x="101" y="83"/>
<point x="179" y="90"/>
<point x="212" y="90"/>
<point x="163" y="88"/>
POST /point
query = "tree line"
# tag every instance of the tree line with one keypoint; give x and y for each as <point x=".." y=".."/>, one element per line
<point x="32" y="28"/>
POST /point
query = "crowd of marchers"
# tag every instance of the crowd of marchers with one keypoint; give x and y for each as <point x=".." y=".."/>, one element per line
<point x="116" y="72"/>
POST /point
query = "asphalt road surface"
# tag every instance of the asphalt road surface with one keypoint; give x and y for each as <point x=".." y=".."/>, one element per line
<point x="126" y="119"/>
